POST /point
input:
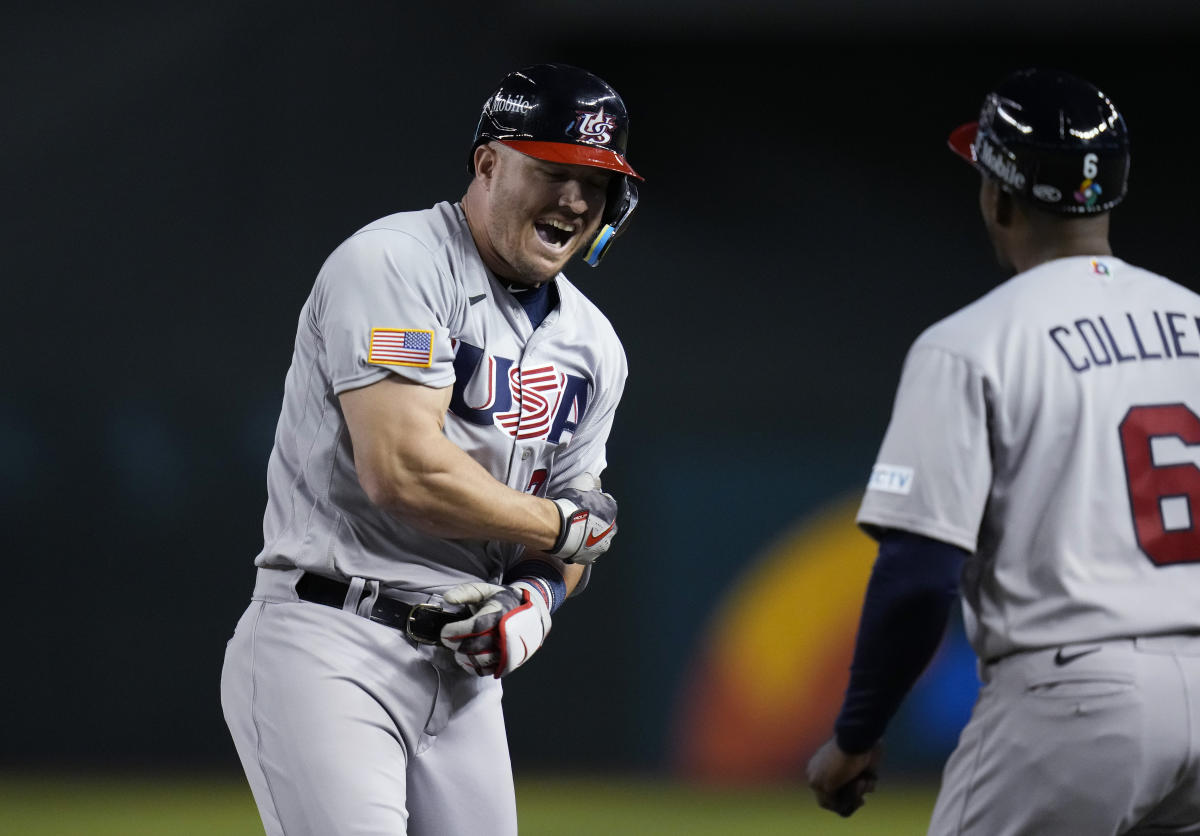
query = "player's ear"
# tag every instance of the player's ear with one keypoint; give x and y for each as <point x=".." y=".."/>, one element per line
<point x="485" y="158"/>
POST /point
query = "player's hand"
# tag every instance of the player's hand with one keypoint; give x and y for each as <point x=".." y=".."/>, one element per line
<point x="840" y="780"/>
<point x="587" y="520"/>
<point x="506" y="626"/>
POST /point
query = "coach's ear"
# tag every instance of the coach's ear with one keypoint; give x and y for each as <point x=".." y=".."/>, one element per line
<point x="995" y="203"/>
<point x="1004" y="208"/>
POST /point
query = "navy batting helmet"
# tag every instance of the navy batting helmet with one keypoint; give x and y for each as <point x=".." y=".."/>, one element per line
<point x="562" y="114"/>
<point x="1053" y="139"/>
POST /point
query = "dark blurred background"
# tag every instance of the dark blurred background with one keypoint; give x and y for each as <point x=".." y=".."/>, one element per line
<point x="174" y="175"/>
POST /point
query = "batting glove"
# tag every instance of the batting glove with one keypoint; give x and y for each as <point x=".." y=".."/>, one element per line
<point x="587" y="525"/>
<point x="507" y="626"/>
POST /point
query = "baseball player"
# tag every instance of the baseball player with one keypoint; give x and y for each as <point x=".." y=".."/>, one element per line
<point x="1043" y="456"/>
<point x="433" y="491"/>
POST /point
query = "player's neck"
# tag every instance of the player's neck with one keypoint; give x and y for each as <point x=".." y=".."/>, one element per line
<point x="472" y="211"/>
<point x="1049" y="239"/>
<point x="1028" y="258"/>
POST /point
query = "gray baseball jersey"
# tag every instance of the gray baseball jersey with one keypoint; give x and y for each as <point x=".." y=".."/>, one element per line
<point x="409" y="295"/>
<point x="344" y="725"/>
<point x="1052" y="428"/>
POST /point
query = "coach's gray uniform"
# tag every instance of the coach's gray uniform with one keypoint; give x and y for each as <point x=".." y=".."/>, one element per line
<point x="1052" y="428"/>
<point x="533" y="407"/>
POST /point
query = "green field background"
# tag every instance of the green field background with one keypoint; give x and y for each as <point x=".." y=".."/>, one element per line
<point x="62" y="805"/>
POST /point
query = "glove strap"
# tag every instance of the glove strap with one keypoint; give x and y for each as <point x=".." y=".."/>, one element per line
<point x="572" y="522"/>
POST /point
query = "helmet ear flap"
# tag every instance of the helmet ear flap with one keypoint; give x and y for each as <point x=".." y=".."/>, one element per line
<point x="621" y="200"/>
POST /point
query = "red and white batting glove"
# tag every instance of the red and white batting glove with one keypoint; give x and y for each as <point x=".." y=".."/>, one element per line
<point x="588" y="523"/>
<point x="507" y="626"/>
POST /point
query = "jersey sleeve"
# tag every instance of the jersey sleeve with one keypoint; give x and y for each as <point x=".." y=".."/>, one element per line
<point x="933" y="474"/>
<point x="383" y="306"/>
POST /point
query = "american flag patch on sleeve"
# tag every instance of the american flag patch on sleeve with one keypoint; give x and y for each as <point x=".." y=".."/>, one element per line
<point x="401" y="347"/>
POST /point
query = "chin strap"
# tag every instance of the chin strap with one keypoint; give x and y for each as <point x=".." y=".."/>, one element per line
<point x="623" y="202"/>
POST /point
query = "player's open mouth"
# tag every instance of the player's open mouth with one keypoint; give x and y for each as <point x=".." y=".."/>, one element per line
<point x="554" y="232"/>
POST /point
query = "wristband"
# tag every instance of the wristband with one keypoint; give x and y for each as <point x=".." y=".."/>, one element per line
<point x="544" y="578"/>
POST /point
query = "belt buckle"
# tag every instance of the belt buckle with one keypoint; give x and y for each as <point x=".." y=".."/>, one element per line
<point x="408" y="624"/>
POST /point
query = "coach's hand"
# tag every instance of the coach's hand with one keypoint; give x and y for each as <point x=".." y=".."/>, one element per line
<point x="840" y="780"/>
<point x="587" y="525"/>
<point x="507" y="625"/>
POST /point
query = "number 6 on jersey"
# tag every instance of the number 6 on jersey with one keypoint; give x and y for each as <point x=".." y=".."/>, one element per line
<point x="1164" y="498"/>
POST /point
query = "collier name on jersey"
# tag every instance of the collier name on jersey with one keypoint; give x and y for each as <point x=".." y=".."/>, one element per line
<point x="1093" y="341"/>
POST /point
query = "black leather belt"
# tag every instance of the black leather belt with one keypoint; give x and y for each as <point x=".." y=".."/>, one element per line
<point x="422" y="623"/>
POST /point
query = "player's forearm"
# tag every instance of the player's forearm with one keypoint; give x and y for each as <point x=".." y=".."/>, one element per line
<point x="572" y="574"/>
<point x="439" y="489"/>
<point x="912" y="589"/>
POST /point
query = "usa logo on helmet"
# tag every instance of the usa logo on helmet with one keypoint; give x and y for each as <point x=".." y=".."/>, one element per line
<point x="594" y="128"/>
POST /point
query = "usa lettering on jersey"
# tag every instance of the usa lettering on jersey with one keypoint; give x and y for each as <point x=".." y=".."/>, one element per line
<point x="537" y="391"/>
<point x="539" y="403"/>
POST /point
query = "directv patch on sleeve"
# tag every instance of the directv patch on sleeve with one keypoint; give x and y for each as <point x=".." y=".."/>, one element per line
<point x="891" y="478"/>
<point x="401" y="347"/>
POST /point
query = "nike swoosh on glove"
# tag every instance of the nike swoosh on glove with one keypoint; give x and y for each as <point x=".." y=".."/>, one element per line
<point x="587" y="525"/>
<point x="506" y="626"/>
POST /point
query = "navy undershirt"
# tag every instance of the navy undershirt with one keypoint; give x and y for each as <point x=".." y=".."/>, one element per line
<point x="913" y="585"/>
<point x="537" y="301"/>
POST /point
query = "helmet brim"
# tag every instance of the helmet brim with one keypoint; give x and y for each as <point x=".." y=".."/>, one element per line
<point x="573" y="154"/>
<point x="962" y="141"/>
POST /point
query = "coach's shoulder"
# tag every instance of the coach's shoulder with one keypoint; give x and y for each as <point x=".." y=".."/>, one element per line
<point x="969" y="330"/>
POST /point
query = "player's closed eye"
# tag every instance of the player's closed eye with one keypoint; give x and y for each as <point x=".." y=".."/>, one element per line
<point x="556" y="174"/>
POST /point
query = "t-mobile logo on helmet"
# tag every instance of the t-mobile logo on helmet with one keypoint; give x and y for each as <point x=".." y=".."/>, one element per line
<point x="595" y="128"/>
<point x="511" y="104"/>
<point x="998" y="164"/>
